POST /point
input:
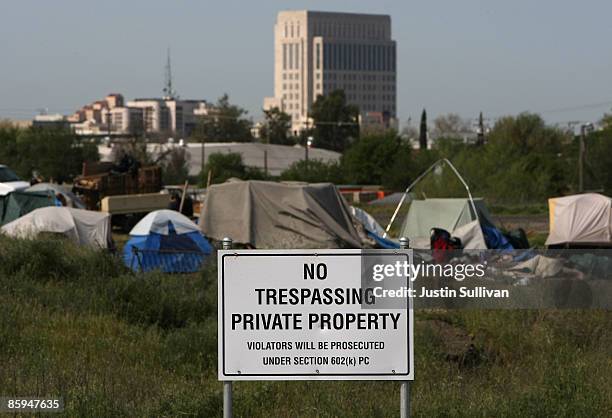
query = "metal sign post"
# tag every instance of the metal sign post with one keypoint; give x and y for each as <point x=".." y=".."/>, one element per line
<point x="227" y="385"/>
<point x="405" y="386"/>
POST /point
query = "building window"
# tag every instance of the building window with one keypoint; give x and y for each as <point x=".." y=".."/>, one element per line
<point x="284" y="56"/>
<point x="318" y="56"/>
<point x="326" y="56"/>
<point x="297" y="56"/>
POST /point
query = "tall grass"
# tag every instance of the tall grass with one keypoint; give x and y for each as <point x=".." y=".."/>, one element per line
<point x="75" y="323"/>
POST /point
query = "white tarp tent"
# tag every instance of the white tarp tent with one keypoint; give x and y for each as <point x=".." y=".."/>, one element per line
<point x="584" y="219"/>
<point x="81" y="226"/>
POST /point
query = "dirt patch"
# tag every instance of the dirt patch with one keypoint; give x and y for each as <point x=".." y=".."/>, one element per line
<point x="532" y="224"/>
<point x="457" y="344"/>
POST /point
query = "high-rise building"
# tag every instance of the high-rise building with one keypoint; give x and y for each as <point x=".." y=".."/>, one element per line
<point x="319" y="52"/>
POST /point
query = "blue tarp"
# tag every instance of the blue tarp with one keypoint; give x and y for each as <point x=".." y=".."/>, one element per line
<point x="382" y="242"/>
<point x="495" y="239"/>
<point x="172" y="253"/>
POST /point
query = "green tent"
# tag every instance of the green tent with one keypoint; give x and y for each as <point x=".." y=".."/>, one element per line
<point x="16" y="204"/>
<point x="457" y="216"/>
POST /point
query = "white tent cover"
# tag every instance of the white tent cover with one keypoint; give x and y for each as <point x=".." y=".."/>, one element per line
<point x="81" y="226"/>
<point x="158" y="222"/>
<point x="580" y="219"/>
<point x="454" y="215"/>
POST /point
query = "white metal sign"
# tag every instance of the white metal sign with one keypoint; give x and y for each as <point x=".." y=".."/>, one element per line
<point x="314" y="315"/>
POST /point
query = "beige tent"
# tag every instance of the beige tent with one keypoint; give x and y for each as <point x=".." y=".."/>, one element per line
<point x="461" y="217"/>
<point x="584" y="219"/>
<point x="279" y="215"/>
<point x="81" y="226"/>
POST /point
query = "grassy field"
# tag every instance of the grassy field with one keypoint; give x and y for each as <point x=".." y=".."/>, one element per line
<point x="75" y="324"/>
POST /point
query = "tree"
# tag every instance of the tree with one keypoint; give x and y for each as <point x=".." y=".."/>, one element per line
<point x="531" y="153"/>
<point x="369" y="159"/>
<point x="136" y="149"/>
<point x="315" y="171"/>
<point x="423" y="131"/>
<point x="225" y="166"/>
<point x="225" y="123"/>
<point x="336" y="122"/>
<point x="277" y="127"/>
<point x="449" y="126"/>
<point x="175" y="166"/>
<point x="55" y="152"/>
<point x="409" y="132"/>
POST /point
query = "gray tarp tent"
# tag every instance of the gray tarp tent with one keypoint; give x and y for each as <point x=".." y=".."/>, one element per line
<point x="584" y="219"/>
<point x="84" y="227"/>
<point x="70" y="198"/>
<point x="279" y="215"/>
<point x="454" y="215"/>
<point x="19" y="203"/>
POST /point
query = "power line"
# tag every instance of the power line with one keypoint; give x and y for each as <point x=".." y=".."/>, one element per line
<point x="579" y="107"/>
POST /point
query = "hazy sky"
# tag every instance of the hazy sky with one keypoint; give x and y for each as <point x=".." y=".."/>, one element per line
<point x="463" y="56"/>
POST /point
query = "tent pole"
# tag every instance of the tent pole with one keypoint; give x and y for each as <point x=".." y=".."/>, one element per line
<point x="228" y="407"/>
<point x="418" y="179"/>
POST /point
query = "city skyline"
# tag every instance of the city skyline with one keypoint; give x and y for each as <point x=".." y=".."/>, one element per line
<point x="501" y="59"/>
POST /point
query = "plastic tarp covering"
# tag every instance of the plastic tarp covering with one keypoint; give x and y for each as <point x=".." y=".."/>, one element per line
<point x="454" y="215"/>
<point x="580" y="219"/>
<point x="373" y="229"/>
<point x="71" y="199"/>
<point x="16" y="204"/>
<point x="541" y="266"/>
<point x="471" y="236"/>
<point x="82" y="226"/>
<point x="279" y="215"/>
<point x="495" y="239"/>
<point x="367" y="220"/>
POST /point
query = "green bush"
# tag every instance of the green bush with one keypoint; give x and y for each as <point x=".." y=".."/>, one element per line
<point x="315" y="171"/>
<point x="225" y="166"/>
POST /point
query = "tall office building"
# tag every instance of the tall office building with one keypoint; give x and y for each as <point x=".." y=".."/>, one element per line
<point x="318" y="52"/>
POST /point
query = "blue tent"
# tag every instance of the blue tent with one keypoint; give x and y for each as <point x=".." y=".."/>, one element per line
<point x="168" y="241"/>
